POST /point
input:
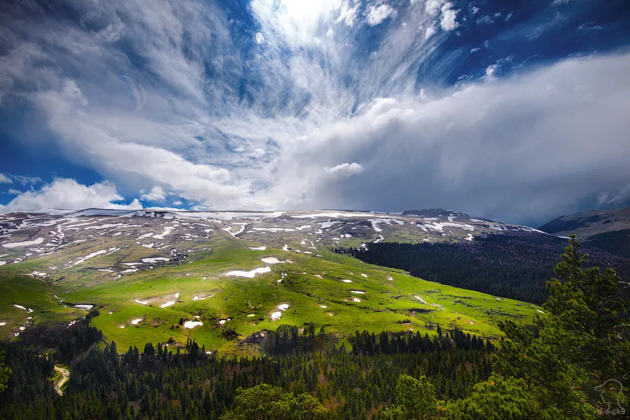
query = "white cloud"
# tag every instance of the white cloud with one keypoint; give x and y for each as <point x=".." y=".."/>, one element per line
<point x="348" y="14"/>
<point x="346" y="169"/>
<point x="259" y="38"/>
<point x="378" y="14"/>
<point x="447" y="19"/>
<point x="5" y="179"/>
<point x="510" y="149"/>
<point x="298" y="21"/>
<point x="490" y="71"/>
<point x="64" y="193"/>
<point x="156" y="194"/>
<point x="432" y="7"/>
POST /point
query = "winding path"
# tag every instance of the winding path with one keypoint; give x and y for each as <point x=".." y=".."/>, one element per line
<point x="65" y="375"/>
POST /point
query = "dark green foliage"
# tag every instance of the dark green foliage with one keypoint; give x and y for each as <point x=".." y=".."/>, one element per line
<point x="415" y="398"/>
<point x="67" y="342"/>
<point x="498" y="398"/>
<point x="515" y="266"/>
<point x="161" y="383"/>
<point x="30" y="373"/>
<point x="581" y="343"/>
<point x="369" y="344"/>
<point x="229" y="334"/>
<point x="616" y="242"/>
<point x="5" y="373"/>
<point x="287" y="339"/>
<point x="268" y="402"/>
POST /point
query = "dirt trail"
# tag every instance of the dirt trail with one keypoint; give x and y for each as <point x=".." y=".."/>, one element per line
<point x="65" y="375"/>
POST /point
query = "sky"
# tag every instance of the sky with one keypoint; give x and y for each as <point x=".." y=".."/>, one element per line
<point x="518" y="111"/>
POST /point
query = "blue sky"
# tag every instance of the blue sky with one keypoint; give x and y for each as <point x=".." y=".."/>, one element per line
<point x="512" y="110"/>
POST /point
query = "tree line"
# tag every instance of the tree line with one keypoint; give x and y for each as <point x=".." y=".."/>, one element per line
<point x="515" y="266"/>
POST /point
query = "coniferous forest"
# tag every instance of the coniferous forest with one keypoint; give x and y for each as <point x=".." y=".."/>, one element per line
<point x="517" y="266"/>
<point x="570" y="365"/>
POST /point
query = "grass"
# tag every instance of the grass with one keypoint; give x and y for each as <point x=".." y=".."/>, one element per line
<point x="308" y="282"/>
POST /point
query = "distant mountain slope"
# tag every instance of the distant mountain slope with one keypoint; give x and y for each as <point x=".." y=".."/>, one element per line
<point x="515" y="265"/>
<point x="167" y="276"/>
<point x="604" y="229"/>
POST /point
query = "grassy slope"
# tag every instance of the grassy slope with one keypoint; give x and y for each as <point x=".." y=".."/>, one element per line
<point x="386" y="305"/>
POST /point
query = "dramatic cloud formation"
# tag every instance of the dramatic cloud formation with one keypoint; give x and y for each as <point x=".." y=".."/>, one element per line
<point x="68" y="194"/>
<point x="512" y="114"/>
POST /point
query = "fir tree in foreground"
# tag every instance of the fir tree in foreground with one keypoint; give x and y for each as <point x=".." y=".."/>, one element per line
<point x="581" y="343"/>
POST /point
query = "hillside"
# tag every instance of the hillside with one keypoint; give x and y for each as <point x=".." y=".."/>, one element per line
<point x="167" y="277"/>
<point x="604" y="229"/>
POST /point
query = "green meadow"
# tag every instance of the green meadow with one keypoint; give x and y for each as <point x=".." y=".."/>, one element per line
<point x="153" y="304"/>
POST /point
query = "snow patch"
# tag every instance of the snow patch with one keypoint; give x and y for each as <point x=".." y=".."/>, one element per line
<point x="327" y="225"/>
<point x="249" y="274"/>
<point x="346" y="281"/>
<point x="271" y="260"/>
<point x="154" y="260"/>
<point x="86" y="307"/>
<point x="167" y="304"/>
<point x="260" y="248"/>
<point x="438" y="227"/>
<point x="192" y="324"/>
<point x="274" y="229"/>
<point x="23" y="244"/>
<point x="95" y="254"/>
<point x="137" y="321"/>
<point x="276" y="316"/>
<point x="167" y="231"/>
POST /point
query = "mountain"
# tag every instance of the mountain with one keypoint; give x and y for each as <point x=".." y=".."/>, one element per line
<point x="167" y="276"/>
<point x="170" y="276"/>
<point x="604" y="229"/>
